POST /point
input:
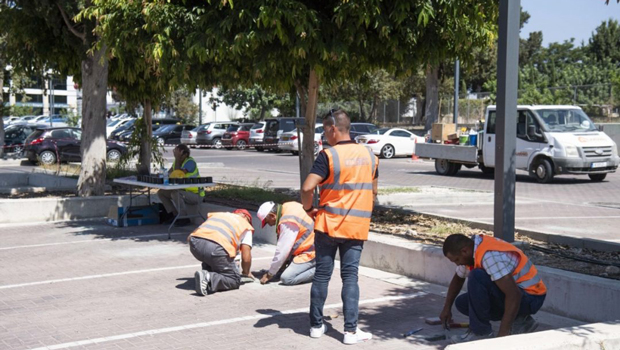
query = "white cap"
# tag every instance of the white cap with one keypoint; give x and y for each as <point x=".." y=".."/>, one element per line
<point x="264" y="210"/>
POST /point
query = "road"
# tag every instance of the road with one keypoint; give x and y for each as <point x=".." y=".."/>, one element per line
<point x="571" y="205"/>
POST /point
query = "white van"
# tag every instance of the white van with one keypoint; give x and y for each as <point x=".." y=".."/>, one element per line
<point x="551" y="140"/>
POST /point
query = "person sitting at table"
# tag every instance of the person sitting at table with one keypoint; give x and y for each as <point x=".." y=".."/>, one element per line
<point x="191" y="196"/>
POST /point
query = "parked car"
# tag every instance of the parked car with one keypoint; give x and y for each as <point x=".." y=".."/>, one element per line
<point x="188" y="137"/>
<point x="24" y="120"/>
<point x="54" y="120"/>
<point x="357" y="129"/>
<point x="237" y="136"/>
<point x="38" y="119"/>
<point x="391" y="142"/>
<point x="9" y="120"/>
<point x="288" y="141"/>
<point x="171" y="134"/>
<point x="257" y="135"/>
<point x="51" y="145"/>
<point x="211" y="133"/>
<point x="15" y="137"/>
<point x="274" y="128"/>
<point x="116" y="124"/>
<point x="128" y="123"/>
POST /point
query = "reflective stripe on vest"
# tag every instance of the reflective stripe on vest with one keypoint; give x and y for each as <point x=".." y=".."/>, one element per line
<point x="525" y="274"/>
<point x="303" y="248"/>
<point x="224" y="229"/>
<point x="347" y="200"/>
<point x="195" y="173"/>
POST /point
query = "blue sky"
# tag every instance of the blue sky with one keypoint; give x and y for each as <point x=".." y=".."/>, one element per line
<point x="561" y="20"/>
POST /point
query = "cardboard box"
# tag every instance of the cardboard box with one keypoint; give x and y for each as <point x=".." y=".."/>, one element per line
<point x="137" y="216"/>
<point x="454" y="136"/>
<point x="440" y="132"/>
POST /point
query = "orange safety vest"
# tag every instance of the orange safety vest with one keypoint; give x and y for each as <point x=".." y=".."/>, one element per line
<point x="224" y="229"/>
<point x="303" y="249"/>
<point x="346" y="194"/>
<point x="525" y="274"/>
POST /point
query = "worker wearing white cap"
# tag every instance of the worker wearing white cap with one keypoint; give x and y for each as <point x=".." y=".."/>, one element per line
<point x="295" y="246"/>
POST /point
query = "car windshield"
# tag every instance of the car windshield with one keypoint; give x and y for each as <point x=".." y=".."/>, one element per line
<point x="565" y="120"/>
<point x="165" y="128"/>
<point x="114" y="122"/>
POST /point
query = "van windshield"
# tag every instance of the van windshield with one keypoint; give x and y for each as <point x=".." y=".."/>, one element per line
<point x="565" y="120"/>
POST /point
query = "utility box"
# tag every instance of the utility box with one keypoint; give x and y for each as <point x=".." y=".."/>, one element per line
<point x="440" y="132"/>
<point x="133" y="216"/>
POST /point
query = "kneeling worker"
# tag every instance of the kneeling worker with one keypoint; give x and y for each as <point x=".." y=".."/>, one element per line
<point x="216" y="243"/>
<point x="295" y="231"/>
<point x="503" y="285"/>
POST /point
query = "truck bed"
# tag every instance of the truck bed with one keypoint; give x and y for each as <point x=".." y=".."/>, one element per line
<point x="464" y="154"/>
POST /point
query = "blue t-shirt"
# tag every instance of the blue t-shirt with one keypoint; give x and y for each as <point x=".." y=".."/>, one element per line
<point x="189" y="167"/>
<point x="321" y="164"/>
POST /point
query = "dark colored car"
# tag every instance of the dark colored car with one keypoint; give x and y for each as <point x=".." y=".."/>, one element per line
<point x="15" y="137"/>
<point x="171" y="134"/>
<point x="273" y="128"/>
<point x="114" y="135"/>
<point x="356" y="130"/>
<point x="47" y="145"/>
<point x="237" y="136"/>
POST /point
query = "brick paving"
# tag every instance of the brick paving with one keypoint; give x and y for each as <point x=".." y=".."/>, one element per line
<point x="85" y="285"/>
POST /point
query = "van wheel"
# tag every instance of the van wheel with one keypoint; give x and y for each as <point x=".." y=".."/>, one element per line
<point x="543" y="171"/>
<point x="445" y="167"/>
<point x="486" y="170"/>
<point x="454" y="169"/>
<point x="294" y="153"/>
<point x="597" y="177"/>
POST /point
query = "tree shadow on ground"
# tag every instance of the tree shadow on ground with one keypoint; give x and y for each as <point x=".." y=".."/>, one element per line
<point x="520" y="177"/>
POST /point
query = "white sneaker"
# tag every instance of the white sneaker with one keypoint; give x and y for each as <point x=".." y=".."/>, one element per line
<point x="469" y="336"/>
<point x="317" y="332"/>
<point x="358" y="336"/>
<point x="201" y="282"/>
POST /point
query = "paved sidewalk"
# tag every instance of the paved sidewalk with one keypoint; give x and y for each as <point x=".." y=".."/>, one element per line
<point x="91" y="286"/>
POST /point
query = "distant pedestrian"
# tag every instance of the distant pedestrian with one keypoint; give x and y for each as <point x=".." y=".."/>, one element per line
<point x="294" y="256"/>
<point x="216" y="243"/>
<point x="502" y="285"/>
<point x="347" y="175"/>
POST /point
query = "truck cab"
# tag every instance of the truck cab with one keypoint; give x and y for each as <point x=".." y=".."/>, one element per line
<point x="555" y="140"/>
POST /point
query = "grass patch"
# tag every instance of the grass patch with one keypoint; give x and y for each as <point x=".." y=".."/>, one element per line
<point x="248" y="194"/>
<point x="393" y="190"/>
<point x="72" y="170"/>
<point x="447" y="228"/>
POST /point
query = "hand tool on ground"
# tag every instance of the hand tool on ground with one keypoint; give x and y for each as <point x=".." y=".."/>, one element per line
<point x="413" y="331"/>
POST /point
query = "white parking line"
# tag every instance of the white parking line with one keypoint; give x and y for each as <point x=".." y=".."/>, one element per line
<point x="107" y="275"/>
<point x="92" y="240"/>
<point x="219" y="322"/>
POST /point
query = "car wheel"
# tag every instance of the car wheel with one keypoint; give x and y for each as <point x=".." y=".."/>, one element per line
<point x="241" y="145"/>
<point x="228" y="148"/>
<point x="259" y="149"/>
<point x="387" y="151"/>
<point x="47" y="157"/>
<point x="114" y="155"/>
<point x="217" y="143"/>
<point x="160" y="142"/>
<point x="18" y="150"/>
<point x="597" y="177"/>
<point x="543" y="171"/>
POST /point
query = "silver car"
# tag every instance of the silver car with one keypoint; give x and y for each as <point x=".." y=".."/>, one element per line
<point x="257" y="135"/>
<point x="188" y="137"/>
<point x="211" y="133"/>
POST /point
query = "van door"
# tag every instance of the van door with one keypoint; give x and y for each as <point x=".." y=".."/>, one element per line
<point x="488" y="151"/>
<point x="530" y="139"/>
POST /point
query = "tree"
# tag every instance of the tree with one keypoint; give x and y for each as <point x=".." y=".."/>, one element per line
<point x="42" y="35"/>
<point x="180" y="102"/>
<point x="255" y="100"/>
<point x="605" y="42"/>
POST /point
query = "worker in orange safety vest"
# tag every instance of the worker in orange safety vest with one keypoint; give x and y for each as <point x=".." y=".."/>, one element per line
<point x="347" y="176"/>
<point x="294" y="254"/>
<point x="502" y="285"/>
<point x="216" y="243"/>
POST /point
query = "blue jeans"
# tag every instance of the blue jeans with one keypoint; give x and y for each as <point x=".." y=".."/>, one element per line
<point x="350" y="253"/>
<point x="484" y="302"/>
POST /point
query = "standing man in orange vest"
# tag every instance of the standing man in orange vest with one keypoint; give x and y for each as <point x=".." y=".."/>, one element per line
<point x="216" y="243"/>
<point x="503" y="285"/>
<point x="347" y="174"/>
<point x="295" y="246"/>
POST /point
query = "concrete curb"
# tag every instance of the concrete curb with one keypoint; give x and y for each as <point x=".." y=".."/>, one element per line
<point x="596" y="336"/>
<point x="548" y="237"/>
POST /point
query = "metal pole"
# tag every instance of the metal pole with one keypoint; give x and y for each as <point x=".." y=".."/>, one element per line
<point x="51" y="99"/>
<point x="297" y="108"/>
<point x="199" y="107"/>
<point x="456" y="92"/>
<point x="506" y="133"/>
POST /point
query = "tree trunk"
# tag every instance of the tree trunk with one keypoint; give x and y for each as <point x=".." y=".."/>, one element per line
<point x="144" y="162"/>
<point x="309" y="106"/>
<point x="419" y="102"/>
<point x="373" y="110"/>
<point x="93" y="144"/>
<point x="432" y="96"/>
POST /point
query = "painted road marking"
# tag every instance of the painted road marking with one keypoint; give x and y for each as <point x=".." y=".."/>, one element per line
<point x="107" y="275"/>
<point x="152" y="332"/>
<point x="92" y="240"/>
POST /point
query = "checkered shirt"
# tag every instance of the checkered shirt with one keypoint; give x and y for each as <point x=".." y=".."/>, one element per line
<point x="496" y="264"/>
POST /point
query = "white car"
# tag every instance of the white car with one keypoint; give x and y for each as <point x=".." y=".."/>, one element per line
<point x="288" y="141"/>
<point x="38" y="119"/>
<point x="391" y="142"/>
<point x="113" y="125"/>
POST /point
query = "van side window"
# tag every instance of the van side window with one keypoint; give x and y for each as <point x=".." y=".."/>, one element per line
<point x="491" y="122"/>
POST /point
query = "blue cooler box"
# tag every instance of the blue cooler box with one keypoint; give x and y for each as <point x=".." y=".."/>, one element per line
<point x="137" y="216"/>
